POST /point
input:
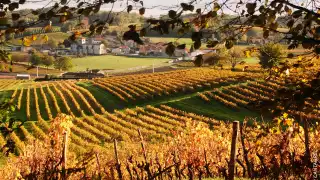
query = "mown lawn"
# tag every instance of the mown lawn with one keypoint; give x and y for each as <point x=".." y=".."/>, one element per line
<point x="113" y="62"/>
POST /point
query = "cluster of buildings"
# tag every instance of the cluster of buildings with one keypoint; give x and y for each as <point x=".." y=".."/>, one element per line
<point x="97" y="46"/>
<point x="89" y="46"/>
<point x="148" y="49"/>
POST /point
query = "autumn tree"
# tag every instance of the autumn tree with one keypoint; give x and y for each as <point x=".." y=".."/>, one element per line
<point x="234" y="57"/>
<point x="270" y="55"/>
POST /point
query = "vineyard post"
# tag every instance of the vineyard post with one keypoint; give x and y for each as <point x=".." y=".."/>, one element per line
<point x="147" y="166"/>
<point x="98" y="164"/>
<point x="245" y="151"/>
<point x="64" y="155"/>
<point x="142" y="146"/>
<point x="235" y="128"/>
<point x="306" y="137"/>
<point x="118" y="165"/>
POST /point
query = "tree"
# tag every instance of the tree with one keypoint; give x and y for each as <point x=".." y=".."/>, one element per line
<point x="234" y="57"/>
<point x="105" y="43"/>
<point x="66" y="43"/>
<point x="63" y="63"/>
<point x="270" y="55"/>
<point x="47" y="61"/>
<point x="35" y="59"/>
<point x="52" y="43"/>
<point x="68" y="26"/>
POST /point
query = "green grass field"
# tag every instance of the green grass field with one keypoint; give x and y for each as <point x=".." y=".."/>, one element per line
<point x="113" y="62"/>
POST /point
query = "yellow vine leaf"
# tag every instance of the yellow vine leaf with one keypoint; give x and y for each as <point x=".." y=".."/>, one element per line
<point x="45" y="38"/>
<point x="248" y="54"/>
<point x="26" y="41"/>
<point x="285" y="115"/>
<point x="288" y="122"/>
<point x="258" y="143"/>
<point x="34" y="37"/>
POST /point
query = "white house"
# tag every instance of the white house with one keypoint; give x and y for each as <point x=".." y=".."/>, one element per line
<point x="90" y="46"/>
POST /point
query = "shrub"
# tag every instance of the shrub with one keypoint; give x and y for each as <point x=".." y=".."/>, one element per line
<point x="63" y="63"/>
<point x="270" y="55"/>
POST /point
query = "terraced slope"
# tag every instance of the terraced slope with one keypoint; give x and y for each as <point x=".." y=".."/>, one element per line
<point x="45" y="101"/>
<point x="245" y="95"/>
<point x="99" y="130"/>
<point x="146" y="86"/>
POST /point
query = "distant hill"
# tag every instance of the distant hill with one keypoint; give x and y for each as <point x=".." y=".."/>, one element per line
<point x="57" y="36"/>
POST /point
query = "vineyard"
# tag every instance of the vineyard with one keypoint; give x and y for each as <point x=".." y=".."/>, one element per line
<point x="246" y="95"/>
<point x="43" y="101"/>
<point x="156" y="123"/>
<point x="40" y="103"/>
<point x="195" y="152"/>
<point x="147" y="86"/>
<point x="10" y="84"/>
<point x="181" y="143"/>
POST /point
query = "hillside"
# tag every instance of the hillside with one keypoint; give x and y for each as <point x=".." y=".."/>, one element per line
<point x="57" y="36"/>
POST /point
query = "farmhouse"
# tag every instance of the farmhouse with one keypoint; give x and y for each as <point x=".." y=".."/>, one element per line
<point x="91" y="46"/>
